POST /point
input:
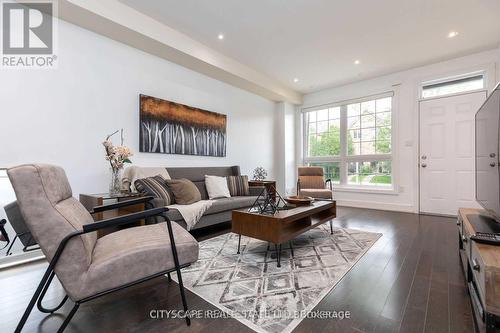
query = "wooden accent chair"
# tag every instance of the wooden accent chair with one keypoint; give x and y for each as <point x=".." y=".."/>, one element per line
<point x="87" y="266"/>
<point x="311" y="183"/>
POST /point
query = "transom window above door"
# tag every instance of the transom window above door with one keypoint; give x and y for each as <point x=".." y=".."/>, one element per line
<point x="352" y="141"/>
<point x="456" y="85"/>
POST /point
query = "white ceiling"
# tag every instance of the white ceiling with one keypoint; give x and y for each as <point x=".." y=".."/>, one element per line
<point x="317" y="41"/>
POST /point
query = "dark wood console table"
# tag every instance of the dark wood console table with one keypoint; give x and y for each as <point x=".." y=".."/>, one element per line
<point x="481" y="265"/>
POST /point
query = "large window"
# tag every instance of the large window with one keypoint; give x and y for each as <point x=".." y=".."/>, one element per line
<point x="352" y="141"/>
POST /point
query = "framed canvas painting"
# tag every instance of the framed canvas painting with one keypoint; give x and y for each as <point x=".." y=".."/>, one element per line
<point x="171" y="128"/>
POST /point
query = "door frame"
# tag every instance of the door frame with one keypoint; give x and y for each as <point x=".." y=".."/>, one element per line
<point x="420" y="100"/>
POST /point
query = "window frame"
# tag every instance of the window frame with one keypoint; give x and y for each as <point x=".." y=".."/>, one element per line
<point x="343" y="159"/>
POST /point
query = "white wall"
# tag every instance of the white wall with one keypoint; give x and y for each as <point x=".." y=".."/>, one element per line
<point x="285" y="158"/>
<point x="405" y="84"/>
<point x="498" y="63"/>
<point x="290" y="169"/>
<point x="61" y="116"/>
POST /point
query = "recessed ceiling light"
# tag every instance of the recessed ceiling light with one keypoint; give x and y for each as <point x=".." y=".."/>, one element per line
<point x="220" y="36"/>
<point x="357" y="62"/>
<point x="452" y="34"/>
<point x="295" y="80"/>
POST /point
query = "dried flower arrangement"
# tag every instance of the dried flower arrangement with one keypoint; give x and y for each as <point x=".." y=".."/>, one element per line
<point x="117" y="157"/>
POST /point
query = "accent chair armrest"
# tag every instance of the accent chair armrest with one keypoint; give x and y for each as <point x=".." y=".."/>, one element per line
<point x="121" y="204"/>
<point x="115" y="221"/>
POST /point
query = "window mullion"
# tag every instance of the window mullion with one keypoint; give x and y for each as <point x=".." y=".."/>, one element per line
<point x="343" y="144"/>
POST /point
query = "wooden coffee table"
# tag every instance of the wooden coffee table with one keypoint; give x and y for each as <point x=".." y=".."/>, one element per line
<point x="284" y="225"/>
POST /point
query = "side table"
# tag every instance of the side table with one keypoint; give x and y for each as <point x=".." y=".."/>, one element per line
<point x="270" y="185"/>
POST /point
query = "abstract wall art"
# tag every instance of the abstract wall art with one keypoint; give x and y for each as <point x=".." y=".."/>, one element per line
<point x="171" y="128"/>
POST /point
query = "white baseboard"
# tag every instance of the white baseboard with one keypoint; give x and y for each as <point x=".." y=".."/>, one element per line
<point x="406" y="208"/>
<point x="21" y="258"/>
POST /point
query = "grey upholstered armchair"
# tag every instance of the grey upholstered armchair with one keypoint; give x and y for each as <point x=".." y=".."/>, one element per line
<point x="88" y="267"/>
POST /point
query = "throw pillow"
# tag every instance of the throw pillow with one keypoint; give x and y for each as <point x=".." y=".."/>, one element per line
<point x="185" y="191"/>
<point x="217" y="187"/>
<point x="156" y="187"/>
<point x="238" y="185"/>
<point x="134" y="172"/>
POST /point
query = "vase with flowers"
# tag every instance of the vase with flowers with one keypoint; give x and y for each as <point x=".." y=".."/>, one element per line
<point x="117" y="156"/>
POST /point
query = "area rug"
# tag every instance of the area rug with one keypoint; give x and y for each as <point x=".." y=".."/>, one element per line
<point x="252" y="289"/>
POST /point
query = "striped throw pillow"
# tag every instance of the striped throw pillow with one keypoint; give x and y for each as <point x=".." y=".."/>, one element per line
<point x="238" y="185"/>
<point x="157" y="187"/>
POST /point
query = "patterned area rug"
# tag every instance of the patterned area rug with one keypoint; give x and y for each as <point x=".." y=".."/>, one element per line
<point x="251" y="288"/>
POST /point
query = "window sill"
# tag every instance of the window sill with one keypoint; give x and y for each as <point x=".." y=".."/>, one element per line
<point x="353" y="189"/>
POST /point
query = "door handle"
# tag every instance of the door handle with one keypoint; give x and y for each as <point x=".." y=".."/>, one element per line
<point x="424" y="165"/>
<point x="493" y="164"/>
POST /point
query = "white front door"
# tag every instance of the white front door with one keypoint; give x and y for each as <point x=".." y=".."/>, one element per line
<point x="447" y="153"/>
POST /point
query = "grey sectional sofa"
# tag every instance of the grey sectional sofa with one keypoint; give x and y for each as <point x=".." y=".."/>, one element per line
<point x="220" y="211"/>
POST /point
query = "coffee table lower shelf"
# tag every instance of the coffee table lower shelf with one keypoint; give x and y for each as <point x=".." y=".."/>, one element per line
<point x="283" y="226"/>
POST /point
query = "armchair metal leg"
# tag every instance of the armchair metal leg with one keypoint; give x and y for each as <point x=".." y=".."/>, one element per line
<point x="42" y="295"/>
<point x="45" y="280"/>
<point x="68" y="318"/>
<point x="8" y="253"/>
<point x="33" y="300"/>
<point x="331" y="227"/>
<point x="169" y="277"/>
<point x="178" y="269"/>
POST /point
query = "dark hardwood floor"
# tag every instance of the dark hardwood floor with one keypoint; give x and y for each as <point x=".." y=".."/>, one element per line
<point x="409" y="281"/>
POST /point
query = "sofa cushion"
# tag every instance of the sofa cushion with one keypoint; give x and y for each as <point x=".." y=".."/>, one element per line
<point x="232" y="203"/>
<point x="185" y="192"/>
<point x="219" y="205"/>
<point x="156" y="187"/>
<point x="238" y="185"/>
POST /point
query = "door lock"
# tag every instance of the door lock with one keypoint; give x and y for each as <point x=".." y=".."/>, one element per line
<point x="492" y="155"/>
<point x="424" y="157"/>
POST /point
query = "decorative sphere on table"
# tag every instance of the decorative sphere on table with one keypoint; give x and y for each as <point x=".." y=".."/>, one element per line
<point x="259" y="173"/>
